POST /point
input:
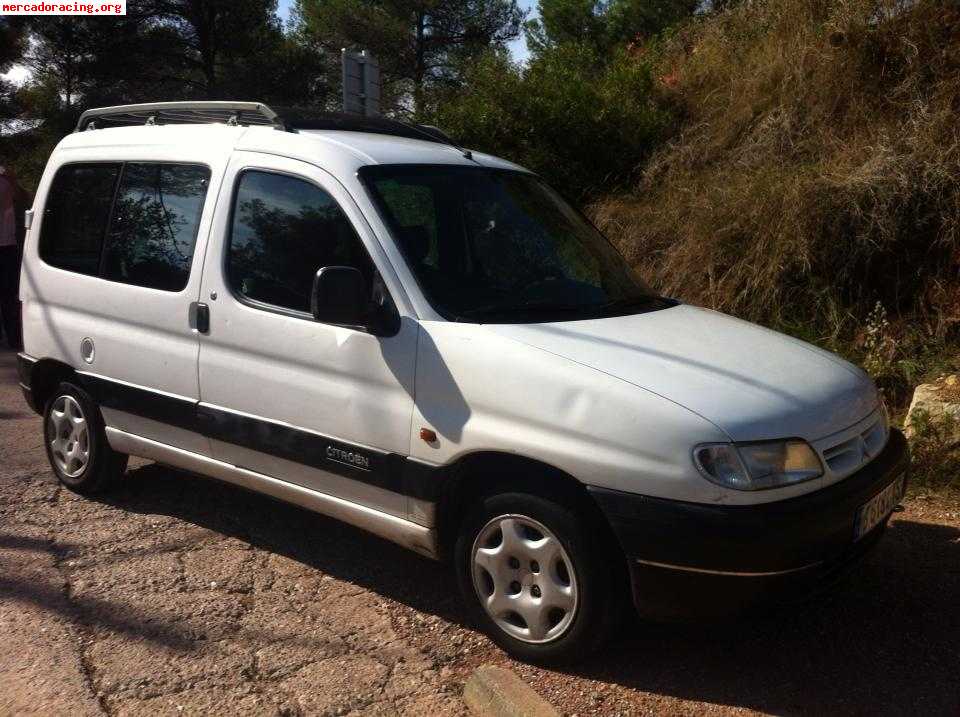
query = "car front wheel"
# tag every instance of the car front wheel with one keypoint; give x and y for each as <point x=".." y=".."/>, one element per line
<point x="536" y="578"/>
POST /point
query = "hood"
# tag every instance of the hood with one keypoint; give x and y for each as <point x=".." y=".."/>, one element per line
<point x="753" y="383"/>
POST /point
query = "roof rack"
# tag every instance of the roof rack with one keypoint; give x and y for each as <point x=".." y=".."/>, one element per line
<point x="236" y="113"/>
<point x="302" y="119"/>
<point x="251" y="113"/>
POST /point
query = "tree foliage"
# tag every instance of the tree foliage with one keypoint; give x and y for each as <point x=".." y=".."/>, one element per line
<point x="581" y="123"/>
<point x="584" y="111"/>
<point x="581" y="112"/>
<point x="170" y="49"/>
<point x="161" y="50"/>
<point x="223" y="49"/>
<point x="421" y="44"/>
<point x="603" y="25"/>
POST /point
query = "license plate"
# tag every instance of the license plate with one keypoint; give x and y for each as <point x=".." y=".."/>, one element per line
<point x="876" y="510"/>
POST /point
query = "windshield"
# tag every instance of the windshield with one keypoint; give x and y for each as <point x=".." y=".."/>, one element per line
<point x="501" y="246"/>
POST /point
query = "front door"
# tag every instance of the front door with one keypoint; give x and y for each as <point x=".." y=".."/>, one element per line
<point x="326" y="407"/>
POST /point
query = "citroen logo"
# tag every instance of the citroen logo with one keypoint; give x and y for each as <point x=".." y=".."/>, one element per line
<point x="349" y="457"/>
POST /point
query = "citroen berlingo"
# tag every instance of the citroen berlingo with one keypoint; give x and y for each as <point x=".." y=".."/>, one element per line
<point x="362" y="318"/>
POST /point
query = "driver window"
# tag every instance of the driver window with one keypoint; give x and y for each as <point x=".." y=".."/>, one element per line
<point x="283" y="230"/>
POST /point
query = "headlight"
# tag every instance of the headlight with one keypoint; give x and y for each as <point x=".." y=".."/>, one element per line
<point x="755" y="466"/>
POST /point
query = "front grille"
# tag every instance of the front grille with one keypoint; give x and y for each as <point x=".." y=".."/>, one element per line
<point x="857" y="450"/>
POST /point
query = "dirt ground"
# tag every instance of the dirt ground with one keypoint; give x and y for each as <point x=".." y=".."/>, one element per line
<point x="180" y="595"/>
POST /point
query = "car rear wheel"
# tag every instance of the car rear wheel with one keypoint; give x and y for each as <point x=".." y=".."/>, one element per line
<point x="76" y="442"/>
<point x="536" y="578"/>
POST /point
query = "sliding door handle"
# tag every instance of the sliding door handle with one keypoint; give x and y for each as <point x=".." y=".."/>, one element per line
<point x="199" y="317"/>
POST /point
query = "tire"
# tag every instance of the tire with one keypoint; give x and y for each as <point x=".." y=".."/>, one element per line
<point x="76" y="442"/>
<point x="566" y="606"/>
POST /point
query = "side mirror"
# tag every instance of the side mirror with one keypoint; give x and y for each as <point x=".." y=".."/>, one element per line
<point x="340" y="296"/>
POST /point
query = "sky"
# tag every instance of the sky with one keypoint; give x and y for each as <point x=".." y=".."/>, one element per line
<point x="518" y="48"/>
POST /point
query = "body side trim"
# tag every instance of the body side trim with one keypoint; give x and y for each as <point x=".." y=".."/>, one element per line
<point x="157" y="391"/>
<point x="283" y="424"/>
<point x="312" y="449"/>
<point x="390" y="471"/>
<point x="403" y="532"/>
<point x="148" y="403"/>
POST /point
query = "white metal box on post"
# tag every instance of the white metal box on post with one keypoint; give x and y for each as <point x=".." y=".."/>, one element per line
<point x="361" y="83"/>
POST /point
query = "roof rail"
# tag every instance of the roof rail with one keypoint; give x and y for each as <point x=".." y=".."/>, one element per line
<point x="305" y="119"/>
<point x="254" y="113"/>
<point x="238" y="113"/>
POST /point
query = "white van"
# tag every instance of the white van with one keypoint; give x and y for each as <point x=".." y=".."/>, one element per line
<point x="360" y="317"/>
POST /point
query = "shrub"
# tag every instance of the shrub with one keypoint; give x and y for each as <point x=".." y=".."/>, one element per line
<point x="583" y="122"/>
<point x="935" y="451"/>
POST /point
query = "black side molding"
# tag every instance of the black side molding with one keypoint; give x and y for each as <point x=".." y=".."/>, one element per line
<point x="180" y="412"/>
<point x="390" y="471"/>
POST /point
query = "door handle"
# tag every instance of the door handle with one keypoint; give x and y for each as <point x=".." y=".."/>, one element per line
<point x="199" y="317"/>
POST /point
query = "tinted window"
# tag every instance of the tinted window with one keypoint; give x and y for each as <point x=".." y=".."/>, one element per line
<point x="493" y="245"/>
<point x="76" y="214"/>
<point x="415" y="210"/>
<point x="284" y="230"/>
<point x="154" y="226"/>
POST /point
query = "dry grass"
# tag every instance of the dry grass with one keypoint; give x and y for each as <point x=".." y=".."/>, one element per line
<point x="935" y="453"/>
<point x="815" y="169"/>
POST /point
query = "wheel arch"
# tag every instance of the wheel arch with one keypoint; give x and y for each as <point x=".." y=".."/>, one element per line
<point x="485" y="473"/>
<point x="44" y="378"/>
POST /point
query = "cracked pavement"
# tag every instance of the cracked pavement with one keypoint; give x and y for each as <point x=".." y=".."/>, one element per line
<point x="176" y="594"/>
<point x="130" y="611"/>
<point x="179" y="595"/>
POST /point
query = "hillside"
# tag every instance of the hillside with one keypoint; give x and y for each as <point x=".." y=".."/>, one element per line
<point x="812" y="181"/>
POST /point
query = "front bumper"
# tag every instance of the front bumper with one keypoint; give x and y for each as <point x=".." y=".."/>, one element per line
<point x="695" y="559"/>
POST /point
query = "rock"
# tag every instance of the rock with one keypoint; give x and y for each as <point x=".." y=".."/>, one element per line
<point x="937" y="401"/>
<point x="493" y="691"/>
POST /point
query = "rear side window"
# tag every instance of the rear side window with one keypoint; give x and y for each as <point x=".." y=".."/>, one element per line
<point x="154" y="226"/>
<point x="132" y="222"/>
<point x="76" y="215"/>
<point x="285" y="230"/>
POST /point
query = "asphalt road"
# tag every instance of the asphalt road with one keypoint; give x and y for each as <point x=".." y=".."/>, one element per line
<point x="179" y="595"/>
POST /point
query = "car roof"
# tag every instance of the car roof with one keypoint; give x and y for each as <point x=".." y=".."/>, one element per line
<point x="338" y="151"/>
